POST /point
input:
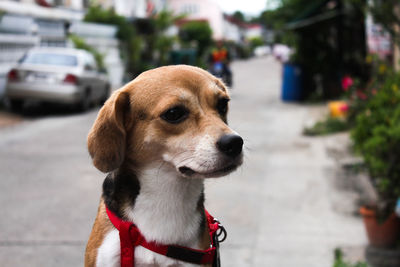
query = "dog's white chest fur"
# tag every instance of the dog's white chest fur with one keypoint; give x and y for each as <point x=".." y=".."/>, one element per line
<point x="165" y="211"/>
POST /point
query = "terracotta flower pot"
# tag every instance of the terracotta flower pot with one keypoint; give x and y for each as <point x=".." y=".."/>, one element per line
<point x="384" y="234"/>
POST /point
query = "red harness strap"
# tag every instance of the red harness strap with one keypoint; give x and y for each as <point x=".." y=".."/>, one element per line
<point x="130" y="238"/>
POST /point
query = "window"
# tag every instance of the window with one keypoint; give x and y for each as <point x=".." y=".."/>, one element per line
<point x="90" y="62"/>
<point x="51" y="59"/>
<point x="190" y="9"/>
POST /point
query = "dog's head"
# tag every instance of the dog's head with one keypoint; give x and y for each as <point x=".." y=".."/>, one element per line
<point x="175" y="116"/>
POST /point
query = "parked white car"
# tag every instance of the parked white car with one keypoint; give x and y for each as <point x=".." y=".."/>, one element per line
<point x="57" y="75"/>
<point x="261" y="51"/>
<point x="282" y="52"/>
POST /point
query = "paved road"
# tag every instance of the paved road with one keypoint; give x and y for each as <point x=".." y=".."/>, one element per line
<point x="280" y="208"/>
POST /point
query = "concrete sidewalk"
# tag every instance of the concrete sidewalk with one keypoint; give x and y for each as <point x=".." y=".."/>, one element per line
<point x="282" y="208"/>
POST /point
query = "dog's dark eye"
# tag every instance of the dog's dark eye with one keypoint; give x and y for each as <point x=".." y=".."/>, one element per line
<point x="222" y="106"/>
<point x="175" y="114"/>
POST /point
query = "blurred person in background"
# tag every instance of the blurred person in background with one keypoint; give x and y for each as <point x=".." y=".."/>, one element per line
<point x="219" y="61"/>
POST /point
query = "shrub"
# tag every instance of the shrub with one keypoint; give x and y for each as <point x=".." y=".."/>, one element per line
<point x="376" y="137"/>
<point x="359" y="93"/>
<point x="97" y="14"/>
<point x="162" y="43"/>
<point x="81" y="44"/>
<point x="339" y="262"/>
<point x="327" y="126"/>
<point x="256" y="41"/>
<point x="243" y="51"/>
<point x="198" y="32"/>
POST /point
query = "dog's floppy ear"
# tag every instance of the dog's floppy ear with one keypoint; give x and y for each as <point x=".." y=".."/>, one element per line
<point x="107" y="138"/>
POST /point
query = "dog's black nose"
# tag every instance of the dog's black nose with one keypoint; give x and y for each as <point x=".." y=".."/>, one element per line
<point x="230" y="144"/>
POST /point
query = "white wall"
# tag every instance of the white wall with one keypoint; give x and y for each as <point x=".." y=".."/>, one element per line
<point x="201" y="10"/>
<point x="137" y="8"/>
<point x="231" y="31"/>
<point x="252" y="32"/>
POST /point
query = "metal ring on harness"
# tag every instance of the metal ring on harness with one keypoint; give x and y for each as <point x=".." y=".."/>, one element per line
<point x="221" y="231"/>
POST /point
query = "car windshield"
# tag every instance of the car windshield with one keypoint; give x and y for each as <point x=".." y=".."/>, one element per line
<point x="50" y="59"/>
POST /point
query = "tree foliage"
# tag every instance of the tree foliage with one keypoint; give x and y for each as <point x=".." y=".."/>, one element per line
<point x="278" y="18"/>
<point x="108" y="16"/>
<point x="256" y="41"/>
<point x="126" y="32"/>
<point x="198" y="32"/>
<point x="142" y="51"/>
<point x="163" y="43"/>
<point x="387" y="13"/>
<point x="81" y="44"/>
<point x="238" y="15"/>
<point x="286" y="11"/>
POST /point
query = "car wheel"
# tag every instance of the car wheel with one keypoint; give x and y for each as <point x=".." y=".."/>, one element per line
<point x="84" y="102"/>
<point x="105" y="95"/>
<point x="16" y="104"/>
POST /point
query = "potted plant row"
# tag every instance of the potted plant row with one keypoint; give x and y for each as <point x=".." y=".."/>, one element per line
<point x="376" y="136"/>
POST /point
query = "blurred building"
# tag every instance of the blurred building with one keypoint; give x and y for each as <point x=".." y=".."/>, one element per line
<point x="28" y="23"/>
<point x="253" y="30"/>
<point x="134" y="8"/>
<point x="239" y="31"/>
<point x="224" y="27"/>
<point x="46" y="9"/>
<point x="232" y="29"/>
<point x="378" y="39"/>
<point x="205" y="10"/>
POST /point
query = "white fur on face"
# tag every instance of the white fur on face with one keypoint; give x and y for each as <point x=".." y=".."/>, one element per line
<point x="204" y="159"/>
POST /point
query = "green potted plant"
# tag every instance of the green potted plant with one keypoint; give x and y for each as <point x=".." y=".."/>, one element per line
<point x="376" y="137"/>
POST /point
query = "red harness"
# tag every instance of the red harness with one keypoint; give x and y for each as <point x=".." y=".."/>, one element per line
<point x="130" y="238"/>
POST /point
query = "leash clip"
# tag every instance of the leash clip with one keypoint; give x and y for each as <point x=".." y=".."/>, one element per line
<point x="220" y="231"/>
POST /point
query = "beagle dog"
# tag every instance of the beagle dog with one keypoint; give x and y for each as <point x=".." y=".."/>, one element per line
<point x="158" y="137"/>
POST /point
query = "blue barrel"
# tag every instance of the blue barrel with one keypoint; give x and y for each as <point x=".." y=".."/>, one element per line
<point x="291" y="83"/>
